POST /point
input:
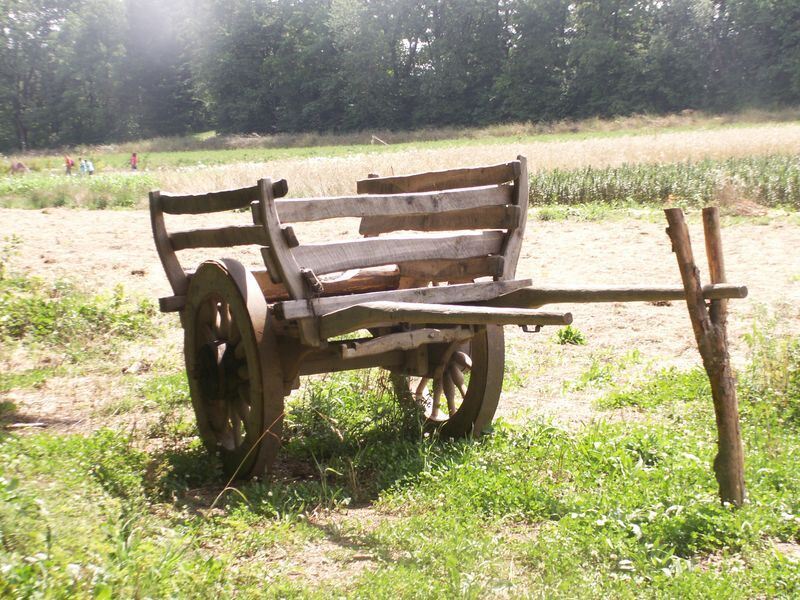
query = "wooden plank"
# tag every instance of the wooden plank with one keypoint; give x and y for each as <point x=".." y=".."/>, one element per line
<point x="539" y="296"/>
<point x="440" y="180"/>
<point x="222" y="237"/>
<point x="513" y="243"/>
<point x="484" y="217"/>
<point x="327" y="258"/>
<point x="175" y="274"/>
<point x="453" y="271"/>
<point x="197" y="204"/>
<point x="404" y="340"/>
<point x="278" y="256"/>
<point x="373" y="280"/>
<point x="450" y="294"/>
<point x="171" y="303"/>
<point x="330" y="361"/>
<point x="315" y="209"/>
<point x="380" y="314"/>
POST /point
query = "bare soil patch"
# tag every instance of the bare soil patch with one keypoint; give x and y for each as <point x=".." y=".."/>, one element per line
<point x="101" y="249"/>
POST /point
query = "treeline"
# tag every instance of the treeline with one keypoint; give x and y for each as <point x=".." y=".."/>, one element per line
<point x="91" y="71"/>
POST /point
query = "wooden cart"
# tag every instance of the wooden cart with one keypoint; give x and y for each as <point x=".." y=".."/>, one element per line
<point x="430" y="303"/>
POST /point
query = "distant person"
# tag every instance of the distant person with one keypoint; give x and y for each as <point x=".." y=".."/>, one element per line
<point x="89" y="166"/>
<point x="82" y="163"/>
<point x="68" y="164"/>
<point x="134" y="162"/>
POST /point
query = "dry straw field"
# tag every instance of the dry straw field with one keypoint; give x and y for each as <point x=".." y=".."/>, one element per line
<point x="319" y="176"/>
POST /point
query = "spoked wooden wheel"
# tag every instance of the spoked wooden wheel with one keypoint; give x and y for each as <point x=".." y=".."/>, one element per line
<point x="462" y="389"/>
<point x="233" y="368"/>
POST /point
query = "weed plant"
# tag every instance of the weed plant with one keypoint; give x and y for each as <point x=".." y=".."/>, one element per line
<point x="772" y="181"/>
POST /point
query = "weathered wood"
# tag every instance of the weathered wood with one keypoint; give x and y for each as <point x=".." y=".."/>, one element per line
<point x="366" y="280"/>
<point x="716" y="261"/>
<point x="222" y="237"/>
<point x="198" y="204"/>
<point x="171" y="303"/>
<point x="484" y="217"/>
<point x="534" y="297"/>
<point x="328" y="258"/>
<point x="175" y="274"/>
<point x="403" y="340"/>
<point x="380" y="314"/>
<point x="710" y="333"/>
<point x="279" y="256"/>
<point x="331" y="361"/>
<point x="452" y="271"/>
<point x="468" y="292"/>
<point x="439" y="180"/>
<point x="290" y="236"/>
<point x="512" y="245"/>
<point x="316" y="209"/>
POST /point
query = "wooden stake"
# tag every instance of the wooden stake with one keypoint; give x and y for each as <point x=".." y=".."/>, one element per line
<point x="712" y="341"/>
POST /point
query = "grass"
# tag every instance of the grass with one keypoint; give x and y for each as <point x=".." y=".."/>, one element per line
<point x="610" y="509"/>
<point x="772" y="181"/>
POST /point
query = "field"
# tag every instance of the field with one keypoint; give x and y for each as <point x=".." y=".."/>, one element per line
<point x="594" y="482"/>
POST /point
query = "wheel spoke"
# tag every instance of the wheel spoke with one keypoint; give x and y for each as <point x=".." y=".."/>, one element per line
<point x="458" y="379"/>
<point x="463" y="359"/>
<point x="225" y="320"/>
<point x="449" y="392"/>
<point x="419" y="393"/>
<point x="437" y="398"/>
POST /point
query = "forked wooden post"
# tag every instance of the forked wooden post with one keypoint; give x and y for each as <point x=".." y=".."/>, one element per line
<point x="709" y="326"/>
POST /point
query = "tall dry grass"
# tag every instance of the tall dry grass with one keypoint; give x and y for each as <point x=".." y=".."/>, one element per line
<point x="337" y="175"/>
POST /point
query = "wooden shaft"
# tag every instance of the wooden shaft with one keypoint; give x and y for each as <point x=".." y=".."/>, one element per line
<point x="711" y="336"/>
<point x="534" y="297"/>
<point x="716" y="261"/>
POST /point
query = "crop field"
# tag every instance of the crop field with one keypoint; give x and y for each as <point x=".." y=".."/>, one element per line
<point x="594" y="481"/>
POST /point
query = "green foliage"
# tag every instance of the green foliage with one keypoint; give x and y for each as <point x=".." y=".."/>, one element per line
<point x="667" y="386"/>
<point x="570" y="335"/>
<point x="769" y="180"/>
<point x="39" y="190"/>
<point x="66" y="318"/>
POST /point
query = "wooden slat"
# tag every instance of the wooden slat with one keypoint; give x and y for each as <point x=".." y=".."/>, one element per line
<point x="513" y="242"/>
<point x="440" y="180"/>
<point x="453" y="271"/>
<point x="327" y="258"/>
<point x="175" y="204"/>
<point x="221" y="237"/>
<point x="484" y="217"/>
<point x="375" y="314"/>
<point x="278" y="256"/>
<point x="177" y="278"/>
<point x="316" y="209"/>
<point x="450" y="294"/>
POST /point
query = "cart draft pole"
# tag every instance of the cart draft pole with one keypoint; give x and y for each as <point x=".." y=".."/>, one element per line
<point x="709" y="324"/>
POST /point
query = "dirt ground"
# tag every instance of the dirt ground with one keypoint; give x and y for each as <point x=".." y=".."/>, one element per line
<point x="100" y="249"/>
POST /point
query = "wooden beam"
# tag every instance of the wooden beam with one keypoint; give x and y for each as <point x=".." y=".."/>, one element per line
<point x="450" y="294"/>
<point x="404" y="340"/>
<point x="197" y="204"/>
<point x="381" y="314"/>
<point x="534" y="297"/>
<point x="712" y="341"/>
<point x="484" y="217"/>
<point x="171" y="303"/>
<point x="440" y="180"/>
<point x="329" y="258"/>
<point x="366" y="280"/>
<point x="221" y="237"/>
<point x="316" y="209"/>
